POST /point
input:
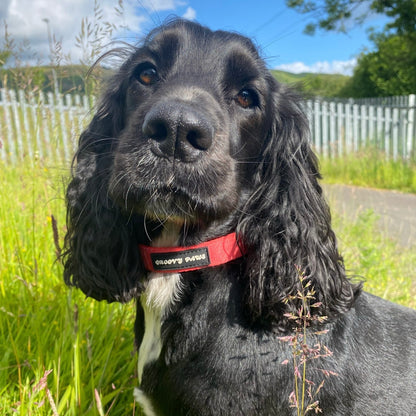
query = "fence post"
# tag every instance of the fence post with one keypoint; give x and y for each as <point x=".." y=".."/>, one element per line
<point x="54" y="130"/>
<point x="364" y="131"/>
<point x="64" y="132"/>
<point x="14" y="105"/>
<point x="371" y="121"/>
<point x="332" y="130"/>
<point x="46" y="114"/>
<point x="411" y="122"/>
<point x="387" y="131"/>
<point x="380" y="132"/>
<point x="395" y="133"/>
<point x="341" y="129"/>
<point x="348" y="134"/>
<point x="317" y="126"/>
<point x="24" y="110"/>
<point x="356" y="121"/>
<point x="35" y="124"/>
<point x="325" y="136"/>
<point x="11" y="148"/>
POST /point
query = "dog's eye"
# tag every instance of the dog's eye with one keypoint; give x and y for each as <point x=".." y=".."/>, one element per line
<point x="246" y="98"/>
<point x="148" y="76"/>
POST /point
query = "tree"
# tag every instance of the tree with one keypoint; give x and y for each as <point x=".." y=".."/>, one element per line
<point x="389" y="69"/>
<point x="340" y="15"/>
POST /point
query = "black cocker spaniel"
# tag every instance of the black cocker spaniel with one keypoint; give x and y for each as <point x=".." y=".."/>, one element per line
<point x="196" y="193"/>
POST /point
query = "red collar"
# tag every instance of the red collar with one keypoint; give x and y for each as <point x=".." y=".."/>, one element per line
<point x="184" y="259"/>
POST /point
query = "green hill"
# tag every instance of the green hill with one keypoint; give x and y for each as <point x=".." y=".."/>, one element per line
<point x="313" y="85"/>
<point x="71" y="79"/>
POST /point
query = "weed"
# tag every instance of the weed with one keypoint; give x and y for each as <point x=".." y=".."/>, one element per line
<point x="304" y="396"/>
<point x="370" y="167"/>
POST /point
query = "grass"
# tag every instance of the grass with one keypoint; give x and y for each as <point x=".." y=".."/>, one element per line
<point x="60" y="349"/>
<point x="370" y="168"/>
<point x="388" y="270"/>
<point x="87" y="345"/>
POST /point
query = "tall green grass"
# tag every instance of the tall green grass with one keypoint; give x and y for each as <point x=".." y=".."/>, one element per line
<point x="387" y="269"/>
<point x="87" y="345"/>
<point x="370" y="168"/>
<point x="59" y="349"/>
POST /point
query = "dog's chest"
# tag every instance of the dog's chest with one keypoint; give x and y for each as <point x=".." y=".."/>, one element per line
<point x="160" y="294"/>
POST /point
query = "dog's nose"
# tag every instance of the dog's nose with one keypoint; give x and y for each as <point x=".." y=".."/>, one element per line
<point x="178" y="131"/>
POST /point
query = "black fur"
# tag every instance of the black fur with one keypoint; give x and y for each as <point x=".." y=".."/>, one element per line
<point x="215" y="143"/>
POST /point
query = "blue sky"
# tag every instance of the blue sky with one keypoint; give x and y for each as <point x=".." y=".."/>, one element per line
<point x="276" y="29"/>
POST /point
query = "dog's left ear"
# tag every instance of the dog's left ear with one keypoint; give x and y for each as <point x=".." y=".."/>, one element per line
<point x="100" y="254"/>
<point x="287" y="224"/>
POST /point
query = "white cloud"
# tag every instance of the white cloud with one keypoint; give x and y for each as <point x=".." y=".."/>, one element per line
<point x="161" y="5"/>
<point x="190" y="14"/>
<point x="26" y="20"/>
<point x="325" y="67"/>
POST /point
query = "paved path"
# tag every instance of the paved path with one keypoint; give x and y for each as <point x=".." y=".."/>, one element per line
<point x="397" y="211"/>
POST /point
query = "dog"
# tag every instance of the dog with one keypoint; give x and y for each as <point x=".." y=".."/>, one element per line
<point x="196" y="193"/>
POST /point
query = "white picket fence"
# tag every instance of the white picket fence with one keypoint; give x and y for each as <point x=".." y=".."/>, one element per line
<point x="344" y="126"/>
<point x="41" y="126"/>
<point x="47" y="126"/>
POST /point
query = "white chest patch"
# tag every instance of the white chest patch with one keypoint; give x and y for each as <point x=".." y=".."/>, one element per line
<point x="160" y="294"/>
<point x="162" y="290"/>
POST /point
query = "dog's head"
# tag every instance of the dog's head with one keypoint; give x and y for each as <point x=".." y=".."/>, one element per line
<point x="194" y="119"/>
<point x="194" y="130"/>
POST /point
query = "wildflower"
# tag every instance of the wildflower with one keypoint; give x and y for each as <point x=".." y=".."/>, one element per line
<point x="302" y="353"/>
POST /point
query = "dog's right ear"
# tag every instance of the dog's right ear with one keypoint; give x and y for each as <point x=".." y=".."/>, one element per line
<point x="100" y="253"/>
<point x="287" y="222"/>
